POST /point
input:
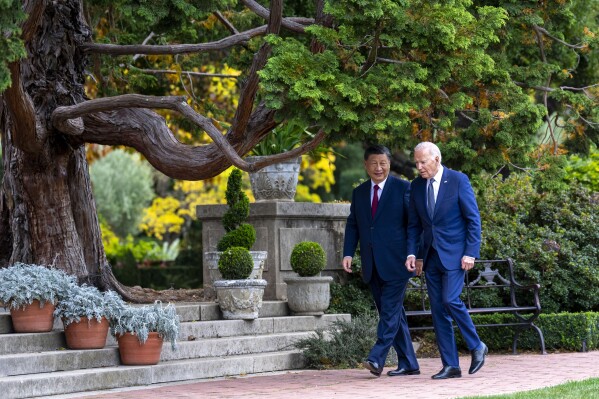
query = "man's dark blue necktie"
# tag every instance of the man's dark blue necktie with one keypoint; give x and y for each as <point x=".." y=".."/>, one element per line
<point x="430" y="203"/>
<point x="375" y="199"/>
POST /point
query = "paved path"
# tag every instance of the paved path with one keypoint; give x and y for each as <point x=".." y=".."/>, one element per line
<point x="501" y="374"/>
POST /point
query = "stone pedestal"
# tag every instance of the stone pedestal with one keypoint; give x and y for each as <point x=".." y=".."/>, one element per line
<point x="279" y="226"/>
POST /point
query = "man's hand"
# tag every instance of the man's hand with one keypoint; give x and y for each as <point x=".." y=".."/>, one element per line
<point x="346" y="263"/>
<point x="411" y="263"/>
<point x="467" y="262"/>
<point x="419" y="265"/>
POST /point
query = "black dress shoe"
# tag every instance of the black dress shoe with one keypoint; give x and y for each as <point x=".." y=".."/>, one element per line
<point x="373" y="367"/>
<point x="400" y="371"/>
<point x="478" y="359"/>
<point x="448" y="372"/>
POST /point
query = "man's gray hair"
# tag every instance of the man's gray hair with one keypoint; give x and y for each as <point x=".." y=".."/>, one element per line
<point x="430" y="147"/>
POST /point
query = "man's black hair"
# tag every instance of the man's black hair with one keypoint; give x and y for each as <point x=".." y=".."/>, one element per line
<point x="377" y="149"/>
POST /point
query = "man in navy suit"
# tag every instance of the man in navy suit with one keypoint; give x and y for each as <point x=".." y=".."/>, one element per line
<point x="443" y="214"/>
<point x="378" y="220"/>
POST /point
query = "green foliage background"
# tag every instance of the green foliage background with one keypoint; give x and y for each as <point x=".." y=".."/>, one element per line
<point x="122" y="185"/>
<point x="11" y="46"/>
<point x="551" y="234"/>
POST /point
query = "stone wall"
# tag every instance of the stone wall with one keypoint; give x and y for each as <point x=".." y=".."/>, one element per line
<point x="279" y="226"/>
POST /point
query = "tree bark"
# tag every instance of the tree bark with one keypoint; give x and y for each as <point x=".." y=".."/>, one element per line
<point x="47" y="210"/>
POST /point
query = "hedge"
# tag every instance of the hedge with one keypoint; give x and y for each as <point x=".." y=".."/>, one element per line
<point x="562" y="331"/>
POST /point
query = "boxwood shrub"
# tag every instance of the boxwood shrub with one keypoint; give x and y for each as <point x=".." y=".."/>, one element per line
<point x="562" y="331"/>
<point x="308" y="258"/>
<point x="235" y="263"/>
<point x="551" y="234"/>
<point x="243" y="236"/>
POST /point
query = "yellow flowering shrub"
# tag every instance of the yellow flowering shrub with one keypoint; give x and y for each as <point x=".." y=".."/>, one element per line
<point x="167" y="214"/>
<point x="162" y="217"/>
<point x="315" y="173"/>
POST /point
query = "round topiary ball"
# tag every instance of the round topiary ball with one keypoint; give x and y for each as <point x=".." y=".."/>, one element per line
<point x="235" y="263"/>
<point x="308" y="258"/>
<point x="243" y="236"/>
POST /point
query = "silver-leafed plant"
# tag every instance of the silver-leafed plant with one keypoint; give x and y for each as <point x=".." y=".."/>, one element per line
<point x="21" y="284"/>
<point x="88" y="301"/>
<point x="143" y="320"/>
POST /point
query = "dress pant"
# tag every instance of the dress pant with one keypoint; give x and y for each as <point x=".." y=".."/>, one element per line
<point x="392" y="328"/>
<point x="444" y="289"/>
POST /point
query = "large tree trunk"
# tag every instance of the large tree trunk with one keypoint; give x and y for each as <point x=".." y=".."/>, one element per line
<point x="47" y="211"/>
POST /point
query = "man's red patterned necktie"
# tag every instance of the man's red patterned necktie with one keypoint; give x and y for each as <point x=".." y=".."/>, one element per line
<point x="375" y="199"/>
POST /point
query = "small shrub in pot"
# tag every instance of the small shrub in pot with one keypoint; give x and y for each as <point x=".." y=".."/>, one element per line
<point x="21" y="284"/>
<point x="236" y="215"/>
<point x="243" y="236"/>
<point x="143" y="320"/>
<point x="86" y="313"/>
<point x="30" y="292"/>
<point x="87" y="301"/>
<point x="235" y="263"/>
<point x="308" y="259"/>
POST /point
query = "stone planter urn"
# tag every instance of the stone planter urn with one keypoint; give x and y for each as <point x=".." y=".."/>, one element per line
<point x="277" y="182"/>
<point x="211" y="259"/>
<point x="240" y="299"/>
<point x="308" y="295"/>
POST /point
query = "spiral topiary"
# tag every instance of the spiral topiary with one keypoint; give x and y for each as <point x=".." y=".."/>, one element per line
<point x="308" y="258"/>
<point x="243" y="236"/>
<point x="235" y="263"/>
<point x="238" y="202"/>
<point x="238" y="233"/>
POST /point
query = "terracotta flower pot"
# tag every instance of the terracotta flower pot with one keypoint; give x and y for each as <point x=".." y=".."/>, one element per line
<point x="134" y="353"/>
<point x="32" y="318"/>
<point x="87" y="334"/>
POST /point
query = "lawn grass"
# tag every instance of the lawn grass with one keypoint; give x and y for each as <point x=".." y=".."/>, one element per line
<point x="585" y="389"/>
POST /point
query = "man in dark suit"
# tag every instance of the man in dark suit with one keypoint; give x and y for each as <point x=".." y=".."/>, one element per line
<point x="378" y="220"/>
<point x="444" y="219"/>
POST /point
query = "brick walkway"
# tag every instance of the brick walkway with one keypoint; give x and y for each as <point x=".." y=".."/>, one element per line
<point x="501" y="374"/>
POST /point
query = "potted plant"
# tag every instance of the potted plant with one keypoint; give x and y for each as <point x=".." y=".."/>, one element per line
<point x="140" y="332"/>
<point x="31" y="292"/>
<point x="237" y="232"/>
<point x="308" y="293"/>
<point x="239" y="297"/>
<point x="278" y="182"/>
<point x="85" y="313"/>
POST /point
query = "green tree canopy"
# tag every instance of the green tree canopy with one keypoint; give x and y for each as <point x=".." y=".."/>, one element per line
<point x="477" y="77"/>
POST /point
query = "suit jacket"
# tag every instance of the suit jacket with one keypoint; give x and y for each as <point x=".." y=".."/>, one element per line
<point x="384" y="237"/>
<point x="455" y="225"/>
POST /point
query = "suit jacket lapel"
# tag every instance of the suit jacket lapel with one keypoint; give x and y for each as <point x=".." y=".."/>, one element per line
<point x="442" y="190"/>
<point x="367" y="207"/>
<point x="382" y="198"/>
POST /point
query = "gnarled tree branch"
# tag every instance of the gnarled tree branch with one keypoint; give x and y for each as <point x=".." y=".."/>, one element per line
<point x="222" y="44"/>
<point x="28" y="133"/>
<point x="35" y="10"/>
<point x="225" y="22"/>
<point x="115" y="121"/>
<point x="250" y="88"/>
<point x="539" y="32"/>
<point x="288" y="23"/>
<point x="546" y="33"/>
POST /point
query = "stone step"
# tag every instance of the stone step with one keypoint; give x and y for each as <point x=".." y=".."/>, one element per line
<point x="54" y="340"/>
<point x="64" y="360"/>
<point x="200" y="311"/>
<point x="65" y="382"/>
